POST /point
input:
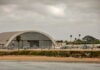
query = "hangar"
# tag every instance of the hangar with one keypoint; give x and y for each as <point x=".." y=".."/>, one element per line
<point x="26" y="39"/>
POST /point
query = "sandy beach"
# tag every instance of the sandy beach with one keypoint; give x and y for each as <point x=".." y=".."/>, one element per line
<point x="45" y="58"/>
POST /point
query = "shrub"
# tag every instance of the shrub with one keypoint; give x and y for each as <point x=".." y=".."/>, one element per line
<point x="95" y="54"/>
<point x="55" y="53"/>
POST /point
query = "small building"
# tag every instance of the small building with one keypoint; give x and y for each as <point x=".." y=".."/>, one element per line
<point x="26" y="39"/>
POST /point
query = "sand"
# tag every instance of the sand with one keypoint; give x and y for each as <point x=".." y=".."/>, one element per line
<point x="45" y="58"/>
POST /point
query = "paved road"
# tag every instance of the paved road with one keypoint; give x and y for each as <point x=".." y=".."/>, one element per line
<point x="19" y="65"/>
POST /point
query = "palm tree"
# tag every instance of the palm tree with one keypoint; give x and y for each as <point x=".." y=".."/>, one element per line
<point x="18" y="39"/>
<point x="71" y="37"/>
<point x="75" y="39"/>
<point x="79" y="36"/>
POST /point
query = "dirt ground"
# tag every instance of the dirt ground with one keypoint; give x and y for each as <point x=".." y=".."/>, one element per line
<point x="45" y="58"/>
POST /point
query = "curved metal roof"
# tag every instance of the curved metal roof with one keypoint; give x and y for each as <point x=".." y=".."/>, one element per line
<point x="7" y="37"/>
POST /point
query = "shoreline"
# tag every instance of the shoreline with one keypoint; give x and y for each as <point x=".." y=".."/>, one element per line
<point x="49" y="59"/>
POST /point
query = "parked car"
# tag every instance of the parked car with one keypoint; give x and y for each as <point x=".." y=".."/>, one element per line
<point x="86" y="47"/>
<point x="26" y="47"/>
<point x="65" y="47"/>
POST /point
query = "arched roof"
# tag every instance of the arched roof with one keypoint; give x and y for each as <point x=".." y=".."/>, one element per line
<point x="7" y="37"/>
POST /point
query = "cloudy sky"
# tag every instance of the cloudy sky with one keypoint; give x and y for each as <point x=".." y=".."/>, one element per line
<point x="59" y="18"/>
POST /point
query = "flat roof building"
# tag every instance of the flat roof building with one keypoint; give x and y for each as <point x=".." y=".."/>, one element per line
<point x="26" y="39"/>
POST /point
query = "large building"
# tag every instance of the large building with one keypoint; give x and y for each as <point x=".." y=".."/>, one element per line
<point x="26" y="39"/>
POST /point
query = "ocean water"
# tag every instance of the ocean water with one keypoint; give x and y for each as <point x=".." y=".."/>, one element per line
<point x="31" y="65"/>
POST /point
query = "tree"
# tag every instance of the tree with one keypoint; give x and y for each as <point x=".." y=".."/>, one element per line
<point x="89" y="38"/>
<point x="79" y="36"/>
<point x="75" y="39"/>
<point x="18" y="39"/>
<point x="59" y="41"/>
<point x="70" y="37"/>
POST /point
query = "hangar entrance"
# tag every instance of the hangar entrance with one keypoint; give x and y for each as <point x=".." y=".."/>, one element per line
<point x="34" y="43"/>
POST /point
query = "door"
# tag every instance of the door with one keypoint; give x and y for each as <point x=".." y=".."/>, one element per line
<point x="34" y="43"/>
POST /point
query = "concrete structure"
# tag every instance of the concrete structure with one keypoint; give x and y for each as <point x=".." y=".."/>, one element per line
<point x="29" y="39"/>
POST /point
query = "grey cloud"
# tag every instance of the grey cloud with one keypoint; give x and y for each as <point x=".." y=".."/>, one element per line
<point x="81" y="16"/>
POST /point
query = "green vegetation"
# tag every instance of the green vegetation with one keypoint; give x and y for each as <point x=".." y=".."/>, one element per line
<point x="37" y="53"/>
<point x="85" y="40"/>
<point x="54" y="53"/>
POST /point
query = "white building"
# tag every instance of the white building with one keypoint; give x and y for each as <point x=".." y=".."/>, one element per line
<point x="28" y="39"/>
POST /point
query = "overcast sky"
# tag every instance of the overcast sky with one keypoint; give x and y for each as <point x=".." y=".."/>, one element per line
<point x="59" y="18"/>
